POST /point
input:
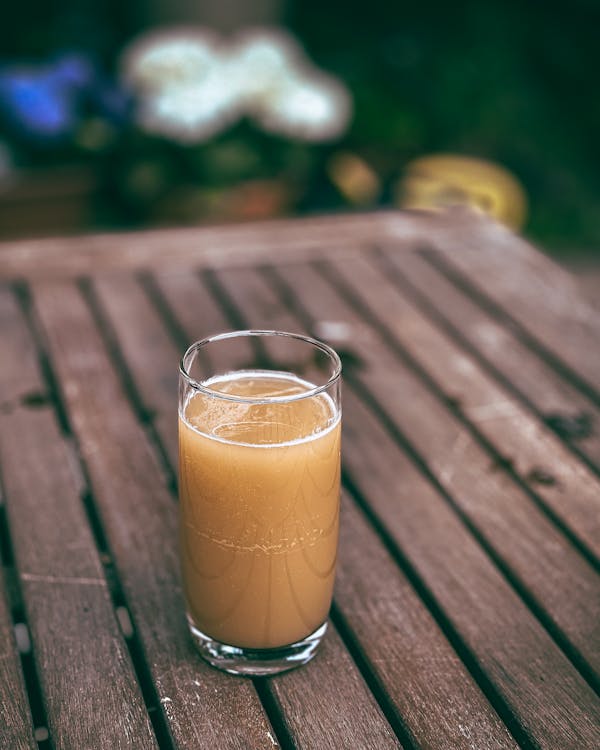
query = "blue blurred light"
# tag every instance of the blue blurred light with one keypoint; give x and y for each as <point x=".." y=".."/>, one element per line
<point x="45" y="104"/>
<point x="34" y="101"/>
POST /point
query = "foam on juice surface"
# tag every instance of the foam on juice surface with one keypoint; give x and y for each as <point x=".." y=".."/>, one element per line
<point x="256" y="423"/>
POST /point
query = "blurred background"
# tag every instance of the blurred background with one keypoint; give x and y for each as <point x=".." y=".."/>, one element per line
<point x="169" y="112"/>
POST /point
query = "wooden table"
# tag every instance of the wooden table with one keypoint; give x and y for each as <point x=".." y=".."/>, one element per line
<point x="467" y="602"/>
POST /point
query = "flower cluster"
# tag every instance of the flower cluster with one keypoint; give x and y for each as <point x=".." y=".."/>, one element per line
<point x="192" y="84"/>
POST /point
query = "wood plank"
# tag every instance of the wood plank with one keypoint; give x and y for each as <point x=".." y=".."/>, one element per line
<point x="88" y="682"/>
<point x="395" y="631"/>
<point x="15" y="719"/>
<point x="201" y="706"/>
<point x="218" y="246"/>
<point x="495" y="625"/>
<point x="151" y="354"/>
<point x="148" y="349"/>
<point x="192" y="306"/>
<point x="327" y="703"/>
<point x="572" y="491"/>
<point x="531" y="290"/>
<point x="331" y="691"/>
<point x="552" y="397"/>
<point x="194" y="314"/>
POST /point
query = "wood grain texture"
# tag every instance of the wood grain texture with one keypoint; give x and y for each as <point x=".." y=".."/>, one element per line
<point x="395" y="632"/>
<point x="201" y="706"/>
<point x="331" y="690"/>
<point x="192" y="305"/>
<point x="149" y="351"/>
<point x="530" y="376"/>
<point x="571" y="490"/>
<point x="560" y="580"/>
<point x="90" y="692"/>
<point x="328" y="705"/>
<point x="495" y="624"/>
<point x="196" y="315"/>
<point x="550" y="701"/>
<point x="15" y="718"/>
<point x="151" y="355"/>
<point x="542" y="298"/>
<point x="16" y="731"/>
<point x="89" y="687"/>
<point x="218" y="246"/>
<point x="436" y="700"/>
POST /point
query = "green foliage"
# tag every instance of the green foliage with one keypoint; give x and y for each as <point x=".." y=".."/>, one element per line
<point x="509" y="81"/>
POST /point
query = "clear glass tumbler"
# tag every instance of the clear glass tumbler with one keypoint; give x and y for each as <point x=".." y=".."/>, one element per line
<point x="259" y="485"/>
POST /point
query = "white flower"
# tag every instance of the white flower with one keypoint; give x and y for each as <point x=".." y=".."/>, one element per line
<point x="162" y="59"/>
<point x="260" y="63"/>
<point x="188" y="114"/>
<point x="191" y="86"/>
<point x="178" y="76"/>
<point x="311" y="108"/>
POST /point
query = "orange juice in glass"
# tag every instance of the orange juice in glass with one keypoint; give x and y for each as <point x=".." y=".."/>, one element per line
<point x="259" y="476"/>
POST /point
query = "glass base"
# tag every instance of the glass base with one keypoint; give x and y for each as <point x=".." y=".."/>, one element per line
<point x="256" y="662"/>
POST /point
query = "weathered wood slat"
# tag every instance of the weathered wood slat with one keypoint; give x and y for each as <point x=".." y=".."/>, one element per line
<point x="197" y="315"/>
<point x="327" y="704"/>
<point x="393" y="628"/>
<point x="332" y="680"/>
<point x="551" y="396"/>
<point x="549" y="306"/>
<point x="89" y="686"/>
<point x="494" y="623"/>
<point x="202" y="707"/>
<point x="210" y="246"/>
<point x="15" y="719"/>
<point x="551" y="702"/>
<point x="149" y="351"/>
<point x="551" y="570"/>
<point x="196" y="312"/>
<point x="568" y="487"/>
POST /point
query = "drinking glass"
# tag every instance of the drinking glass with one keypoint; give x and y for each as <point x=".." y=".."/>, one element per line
<point x="259" y="485"/>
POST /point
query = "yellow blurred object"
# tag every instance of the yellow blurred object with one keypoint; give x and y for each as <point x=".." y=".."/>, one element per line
<point x="433" y="182"/>
<point x="354" y="178"/>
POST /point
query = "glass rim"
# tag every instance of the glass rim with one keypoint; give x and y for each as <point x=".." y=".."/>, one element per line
<point x="201" y="343"/>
